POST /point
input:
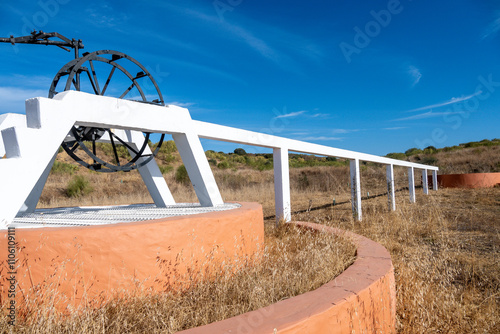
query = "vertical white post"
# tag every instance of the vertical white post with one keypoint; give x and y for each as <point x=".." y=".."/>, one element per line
<point x="196" y="163"/>
<point x="425" y="182"/>
<point x="390" y="187"/>
<point x="30" y="203"/>
<point x="281" y="185"/>
<point x="356" y="189"/>
<point x="411" y="184"/>
<point x="434" y="180"/>
<point x="150" y="173"/>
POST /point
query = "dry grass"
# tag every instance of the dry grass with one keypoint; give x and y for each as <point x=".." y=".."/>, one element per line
<point x="292" y="262"/>
<point x="445" y="248"/>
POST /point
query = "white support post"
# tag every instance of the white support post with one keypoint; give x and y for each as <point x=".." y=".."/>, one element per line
<point x="411" y="184"/>
<point x="435" y="180"/>
<point x="30" y="203"/>
<point x="425" y="182"/>
<point x="198" y="169"/>
<point x="281" y="185"/>
<point x="356" y="189"/>
<point x="390" y="187"/>
<point x="150" y="173"/>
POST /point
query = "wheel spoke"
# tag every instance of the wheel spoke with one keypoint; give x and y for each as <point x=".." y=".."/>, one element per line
<point x="124" y="143"/>
<point x="92" y="83"/>
<point x="95" y="78"/>
<point x="128" y="90"/>
<point x="114" y="148"/>
<point x="108" y="80"/>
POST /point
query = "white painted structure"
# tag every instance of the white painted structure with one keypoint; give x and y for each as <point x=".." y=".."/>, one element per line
<point x="25" y="168"/>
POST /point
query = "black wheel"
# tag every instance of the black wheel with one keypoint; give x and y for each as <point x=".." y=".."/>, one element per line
<point x="108" y="73"/>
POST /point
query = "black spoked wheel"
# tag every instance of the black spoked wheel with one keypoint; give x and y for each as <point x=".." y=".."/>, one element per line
<point x="108" y="73"/>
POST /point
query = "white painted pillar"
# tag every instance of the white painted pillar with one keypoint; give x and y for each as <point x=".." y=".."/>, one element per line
<point x="281" y="185"/>
<point x="411" y="184"/>
<point x="390" y="187"/>
<point x="425" y="182"/>
<point x="200" y="174"/>
<point x="356" y="189"/>
<point x="30" y="203"/>
<point x="150" y="173"/>
<point x="435" y="180"/>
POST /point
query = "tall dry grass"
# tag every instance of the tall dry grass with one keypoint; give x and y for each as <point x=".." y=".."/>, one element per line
<point x="445" y="247"/>
<point x="292" y="262"/>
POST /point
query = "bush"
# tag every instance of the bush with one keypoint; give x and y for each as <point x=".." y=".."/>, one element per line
<point x="223" y="165"/>
<point x="240" y="151"/>
<point x="78" y="186"/>
<point x="63" y="168"/>
<point x="399" y="156"/>
<point x="413" y="151"/>
<point x="430" y="150"/>
<point x="429" y="160"/>
<point x="181" y="175"/>
<point x="166" y="169"/>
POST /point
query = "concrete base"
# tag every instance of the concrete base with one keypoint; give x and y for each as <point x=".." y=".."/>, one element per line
<point x="90" y="264"/>
<point x="473" y="180"/>
<point x="360" y="300"/>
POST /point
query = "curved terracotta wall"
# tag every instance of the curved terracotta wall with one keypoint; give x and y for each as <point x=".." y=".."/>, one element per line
<point x="360" y="300"/>
<point x="474" y="180"/>
<point x="89" y="264"/>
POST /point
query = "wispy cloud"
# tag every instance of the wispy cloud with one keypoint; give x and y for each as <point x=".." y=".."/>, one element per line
<point x="493" y="28"/>
<point x="450" y="101"/>
<point x="396" y="128"/>
<point x="181" y="104"/>
<point x="13" y="98"/>
<point x="320" y="115"/>
<point x="415" y="74"/>
<point x="344" y="130"/>
<point x="430" y="114"/>
<point x="292" y="114"/>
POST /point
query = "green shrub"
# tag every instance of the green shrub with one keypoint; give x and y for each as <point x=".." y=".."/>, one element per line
<point x="240" y="151"/>
<point x="78" y="186"/>
<point x="63" y="168"/>
<point x="399" y="156"/>
<point x="430" y="150"/>
<point x="223" y="165"/>
<point x="413" y="151"/>
<point x="166" y="169"/>
<point x="181" y="175"/>
<point x="430" y="160"/>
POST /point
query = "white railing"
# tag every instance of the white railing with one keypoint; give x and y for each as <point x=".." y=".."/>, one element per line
<point x="30" y="150"/>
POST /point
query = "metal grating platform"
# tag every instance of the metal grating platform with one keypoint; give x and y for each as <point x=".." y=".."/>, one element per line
<point x="99" y="215"/>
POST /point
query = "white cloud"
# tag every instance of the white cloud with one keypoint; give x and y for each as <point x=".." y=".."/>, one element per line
<point x="430" y="114"/>
<point x="450" y="101"/>
<point x="13" y="98"/>
<point x="415" y="74"/>
<point x="396" y="128"/>
<point x="292" y="114"/>
<point x="344" y="130"/>
<point x="180" y="104"/>
<point x="492" y="29"/>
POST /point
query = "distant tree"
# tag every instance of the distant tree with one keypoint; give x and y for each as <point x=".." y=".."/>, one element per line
<point x="430" y="150"/>
<point x="240" y="151"/>
<point x="412" y="151"/>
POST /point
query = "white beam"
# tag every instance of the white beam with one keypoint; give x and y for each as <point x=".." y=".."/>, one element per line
<point x="198" y="169"/>
<point x="434" y="180"/>
<point x="281" y="185"/>
<point x="411" y="184"/>
<point x="356" y="189"/>
<point x="390" y="187"/>
<point x="150" y="173"/>
<point x="425" y="182"/>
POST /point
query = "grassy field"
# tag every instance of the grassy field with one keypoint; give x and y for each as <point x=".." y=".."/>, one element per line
<point x="445" y="248"/>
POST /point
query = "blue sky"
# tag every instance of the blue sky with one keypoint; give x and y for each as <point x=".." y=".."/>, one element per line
<point x="369" y="76"/>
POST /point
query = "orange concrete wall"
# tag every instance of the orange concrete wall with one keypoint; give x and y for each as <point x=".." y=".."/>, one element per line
<point x="361" y="300"/>
<point x="475" y="180"/>
<point x="92" y="263"/>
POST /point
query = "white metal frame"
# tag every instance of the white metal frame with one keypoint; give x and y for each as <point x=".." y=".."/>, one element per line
<point x="47" y="122"/>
